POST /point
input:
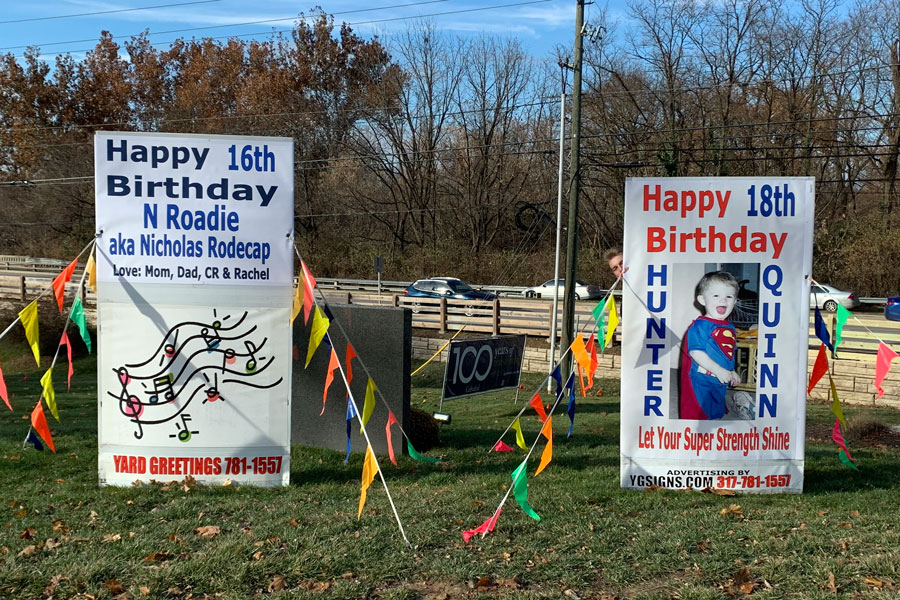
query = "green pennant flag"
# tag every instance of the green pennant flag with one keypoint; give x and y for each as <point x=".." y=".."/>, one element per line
<point x="78" y="318"/>
<point x="846" y="459"/>
<point x="841" y="317"/>
<point x="601" y="323"/>
<point x="413" y="454"/>
<point x="520" y="489"/>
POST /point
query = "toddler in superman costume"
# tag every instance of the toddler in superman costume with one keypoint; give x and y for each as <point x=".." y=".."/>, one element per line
<point x="707" y="350"/>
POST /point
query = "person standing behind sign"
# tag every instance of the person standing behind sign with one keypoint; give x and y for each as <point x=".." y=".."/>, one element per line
<point x="708" y="349"/>
<point x="613" y="258"/>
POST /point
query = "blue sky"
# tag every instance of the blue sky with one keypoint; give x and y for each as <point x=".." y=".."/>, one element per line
<point x="540" y="24"/>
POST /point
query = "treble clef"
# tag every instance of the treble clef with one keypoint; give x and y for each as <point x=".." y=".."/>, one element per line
<point x="129" y="404"/>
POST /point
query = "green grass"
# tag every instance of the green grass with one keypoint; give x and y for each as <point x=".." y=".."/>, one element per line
<point x="63" y="537"/>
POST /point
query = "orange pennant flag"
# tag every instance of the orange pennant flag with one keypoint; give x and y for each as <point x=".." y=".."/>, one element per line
<point x="819" y="369"/>
<point x="3" y="392"/>
<point x="370" y="467"/>
<point x="547" y="454"/>
<point x="91" y="271"/>
<point x="60" y="281"/>
<point x="329" y="377"/>
<point x="538" y="405"/>
<point x="592" y="350"/>
<point x="298" y="300"/>
<point x="580" y="352"/>
<point x="348" y="361"/>
<point x="309" y="284"/>
<point x="39" y="423"/>
<point x="387" y="431"/>
<point x="65" y="340"/>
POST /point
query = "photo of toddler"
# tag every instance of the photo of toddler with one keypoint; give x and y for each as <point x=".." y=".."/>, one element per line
<point x="708" y="350"/>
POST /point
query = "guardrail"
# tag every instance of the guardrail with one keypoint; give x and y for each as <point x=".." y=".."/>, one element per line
<point x="506" y="315"/>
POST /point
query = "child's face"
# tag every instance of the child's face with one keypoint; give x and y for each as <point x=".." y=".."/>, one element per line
<point x="718" y="300"/>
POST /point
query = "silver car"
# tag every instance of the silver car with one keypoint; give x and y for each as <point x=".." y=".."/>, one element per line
<point x="583" y="291"/>
<point x="827" y="298"/>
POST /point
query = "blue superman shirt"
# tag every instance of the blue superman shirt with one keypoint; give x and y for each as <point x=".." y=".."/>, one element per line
<point x="702" y="394"/>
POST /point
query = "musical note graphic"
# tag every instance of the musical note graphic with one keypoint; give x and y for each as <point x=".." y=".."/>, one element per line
<point x="184" y="433"/>
<point x="250" y="365"/>
<point x="185" y="355"/>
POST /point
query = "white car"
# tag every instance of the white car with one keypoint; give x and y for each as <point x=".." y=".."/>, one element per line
<point x="583" y="291"/>
<point x="827" y="298"/>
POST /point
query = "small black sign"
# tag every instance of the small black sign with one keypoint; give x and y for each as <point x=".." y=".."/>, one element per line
<point x="483" y="365"/>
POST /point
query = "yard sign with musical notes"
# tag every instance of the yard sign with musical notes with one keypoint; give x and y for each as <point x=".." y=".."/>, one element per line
<point x="195" y="273"/>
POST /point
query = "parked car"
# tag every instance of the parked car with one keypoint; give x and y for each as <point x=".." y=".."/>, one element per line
<point x="447" y="287"/>
<point x="827" y="297"/>
<point x="892" y="309"/>
<point x="583" y="291"/>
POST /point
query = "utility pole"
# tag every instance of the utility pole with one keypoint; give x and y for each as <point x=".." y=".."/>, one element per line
<point x="568" y="330"/>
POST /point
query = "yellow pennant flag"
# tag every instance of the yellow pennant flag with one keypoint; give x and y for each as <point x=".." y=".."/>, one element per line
<point x="547" y="454"/>
<point x="611" y="323"/>
<point x="580" y="353"/>
<point x="91" y="269"/>
<point x="49" y="394"/>
<point x="520" y="439"/>
<point x="836" y="407"/>
<point x="370" y="467"/>
<point x="319" y="329"/>
<point x="29" y="317"/>
<point x="369" y="404"/>
<point x="298" y="301"/>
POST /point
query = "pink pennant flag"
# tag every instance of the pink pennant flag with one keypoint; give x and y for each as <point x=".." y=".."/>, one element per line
<point x="501" y="447"/>
<point x="329" y="377"/>
<point x="819" y="369"/>
<point x="485" y="527"/>
<point x="538" y="405"/>
<point x="838" y="438"/>
<point x="65" y="340"/>
<point x="309" y="282"/>
<point x="882" y="366"/>
<point x="3" y="393"/>
<point x="387" y="431"/>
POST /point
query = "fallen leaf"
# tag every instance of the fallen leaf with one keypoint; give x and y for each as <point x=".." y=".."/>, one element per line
<point x="258" y="555"/>
<point x="21" y="514"/>
<point x="28" y="533"/>
<point x="93" y="517"/>
<point x="485" y="582"/>
<point x="830" y="586"/>
<point x="144" y="590"/>
<point x="854" y="513"/>
<point x="227" y="483"/>
<point x="294" y="522"/>
<point x="208" y="531"/>
<point x="571" y="594"/>
<point x="158" y="556"/>
<point x="114" y="586"/>
<point x="28" y="550"/>
<point x="845" y="524"/>
<point x="277" y="584"/>
<point x="720" y="491"/>
<point x="51" y="544"/>
<point x="874" y="582"/>
<point x="54" y="583"/>
<point x="111" y="537"/>
<point x="734" y="509"/>
<point x="60" y="526"/>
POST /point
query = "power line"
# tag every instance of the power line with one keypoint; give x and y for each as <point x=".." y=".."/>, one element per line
<point x="205" y="27"/>
<point x="370" y="22"/>
<point x="106" y="12"/>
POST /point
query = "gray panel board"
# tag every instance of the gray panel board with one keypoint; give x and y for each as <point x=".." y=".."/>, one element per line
<point x="382" y="337"/>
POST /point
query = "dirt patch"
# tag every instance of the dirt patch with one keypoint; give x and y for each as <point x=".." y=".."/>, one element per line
<point x="867" y="434"/>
